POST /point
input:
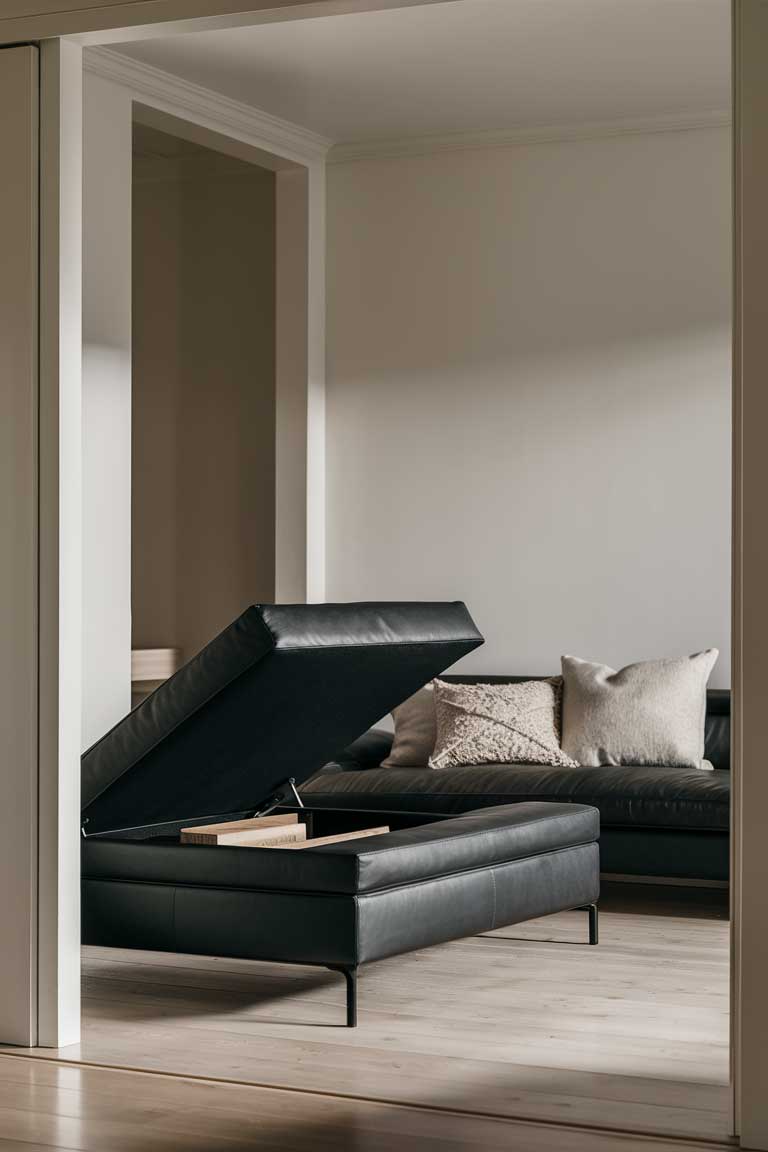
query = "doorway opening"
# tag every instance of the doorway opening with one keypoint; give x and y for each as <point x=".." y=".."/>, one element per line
<point x="203" y="395"/>
<point x="527" y="325"/>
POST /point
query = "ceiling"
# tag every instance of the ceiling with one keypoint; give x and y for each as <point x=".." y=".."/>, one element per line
<point x="466" y="65"/>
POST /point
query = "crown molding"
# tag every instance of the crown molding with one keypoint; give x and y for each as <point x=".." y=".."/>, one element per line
<point x="535" y="134"/>
<point x="186" y="100"/>
<point x="180" y="98"/>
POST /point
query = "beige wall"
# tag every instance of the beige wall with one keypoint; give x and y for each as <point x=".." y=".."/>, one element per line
<point x="291" y="361"/>
<point x="204" y="397"/>
<point x="157" y="369"/>
<point x="528" y="393"/>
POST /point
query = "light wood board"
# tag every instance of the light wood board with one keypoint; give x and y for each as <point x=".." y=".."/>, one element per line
<point x="339" y="838"/>
<point x="213" y="833"/>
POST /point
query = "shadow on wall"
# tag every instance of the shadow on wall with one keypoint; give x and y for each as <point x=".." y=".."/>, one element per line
<point x="529" y="393"/>
<point x="203" y="400"/>
<point x="106" y="557"/>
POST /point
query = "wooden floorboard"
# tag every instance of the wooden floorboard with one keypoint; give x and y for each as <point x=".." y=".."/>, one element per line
<point x="51" y="1106"/>
<point x="526" y="1023"/>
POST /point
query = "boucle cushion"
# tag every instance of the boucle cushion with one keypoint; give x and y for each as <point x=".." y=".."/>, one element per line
<point x="649" y="713"/>
<point x="498" y="724"/>
<point x="415" y="731"/>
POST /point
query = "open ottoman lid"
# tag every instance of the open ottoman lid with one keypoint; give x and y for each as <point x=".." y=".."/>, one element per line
<point x="275" y="696"/>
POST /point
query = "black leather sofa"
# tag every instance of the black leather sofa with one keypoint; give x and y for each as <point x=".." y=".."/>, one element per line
<point x="655" y="822"/>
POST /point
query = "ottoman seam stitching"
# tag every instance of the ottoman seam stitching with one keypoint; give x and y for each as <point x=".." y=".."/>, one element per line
<point x="467" y="871"/>
<point x="357" y="929"/>
<point x="474" y="870"/>
<point x="254" y="887"/>
<point x="493" y="909"/>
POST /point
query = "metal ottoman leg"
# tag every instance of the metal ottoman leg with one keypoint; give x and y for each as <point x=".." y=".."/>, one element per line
<point x="592" y="909"/>
<point x="350" y="975"/>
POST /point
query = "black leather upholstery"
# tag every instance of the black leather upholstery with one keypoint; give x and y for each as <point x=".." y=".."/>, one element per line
<point x="402" y="919"/>
<point x="331" y="929"/>
<point x="652" y="797"/>
<point x="346" y="903"/>
<point x="272" y="697"/>
<point x="473" y="840"/>
<point x="681" y="853"/>
<point x="717" y="728"/>
<point x="367" y="751"/>
<point x="295" y="927"/>
<point x="644" y="796"/>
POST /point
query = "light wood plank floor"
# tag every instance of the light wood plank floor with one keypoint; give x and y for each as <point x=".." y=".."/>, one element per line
<point x="51" y="1106"/>
<point x="630" y="1035"/>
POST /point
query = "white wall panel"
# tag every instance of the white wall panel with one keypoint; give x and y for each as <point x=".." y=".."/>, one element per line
<point x="528" y="393"/>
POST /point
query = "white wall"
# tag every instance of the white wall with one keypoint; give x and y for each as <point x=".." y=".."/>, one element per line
<point x="528" y="393"/>
<point x="291" y="392"/>
<point x="106" y="407"/>
<point x="157" y="347"/>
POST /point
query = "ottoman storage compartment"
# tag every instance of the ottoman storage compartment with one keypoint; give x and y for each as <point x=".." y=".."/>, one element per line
<point x="234" y="734"/>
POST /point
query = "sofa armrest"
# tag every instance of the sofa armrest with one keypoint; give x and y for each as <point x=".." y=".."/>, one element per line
<point x="367" y="751"/>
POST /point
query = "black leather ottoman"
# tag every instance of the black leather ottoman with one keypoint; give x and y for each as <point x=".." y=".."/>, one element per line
<point x="234" y="734"/>
<point x="345" y="904"/>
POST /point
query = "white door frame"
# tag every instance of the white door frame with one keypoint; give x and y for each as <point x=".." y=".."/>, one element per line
<point x="297" y="157"/>
<point x="114" y="21"/>
<point x="41" y="134"/>
<point x="100" y="22"/>
<point x="19" y="88"/>
<point x="60" y="540"/>
<point x="750" y="571"/>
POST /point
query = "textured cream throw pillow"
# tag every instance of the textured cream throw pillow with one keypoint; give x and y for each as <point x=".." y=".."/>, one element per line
<point x="415" y="731"/>
<point x="649" y="713"/>
<point x="498" y="724"/>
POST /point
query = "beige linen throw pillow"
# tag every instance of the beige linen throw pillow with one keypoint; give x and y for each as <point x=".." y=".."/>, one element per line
<point x="415" y="731"/>
<point x="648" y="713"/>
<point x="497" y="724"/>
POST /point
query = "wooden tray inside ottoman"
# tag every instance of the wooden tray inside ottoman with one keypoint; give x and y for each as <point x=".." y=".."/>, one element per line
<point x="283" y="831"/>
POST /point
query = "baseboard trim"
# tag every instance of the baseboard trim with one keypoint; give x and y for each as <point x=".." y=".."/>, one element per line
<point x="388" y="149"/>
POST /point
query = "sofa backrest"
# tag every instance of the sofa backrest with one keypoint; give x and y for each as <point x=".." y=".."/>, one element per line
<point x="717" y="732"/>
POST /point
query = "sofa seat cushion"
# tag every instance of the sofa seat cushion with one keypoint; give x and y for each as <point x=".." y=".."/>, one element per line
<point x="465" y="843"/>
<point x="640" y="796"/>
